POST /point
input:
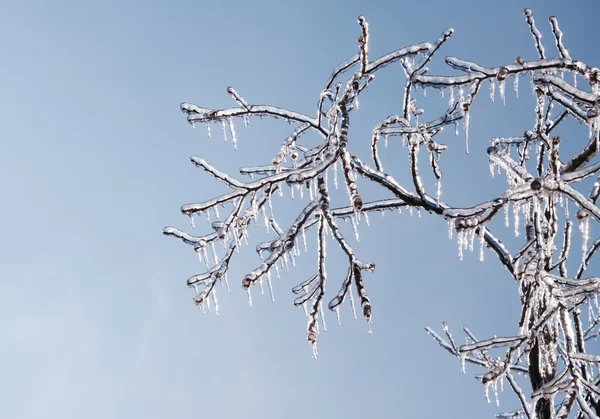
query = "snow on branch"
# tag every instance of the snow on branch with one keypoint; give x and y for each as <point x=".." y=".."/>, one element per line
<point x="549" y="346"/>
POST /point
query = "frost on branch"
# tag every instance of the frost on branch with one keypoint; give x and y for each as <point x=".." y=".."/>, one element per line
<point x="559" y="312"/>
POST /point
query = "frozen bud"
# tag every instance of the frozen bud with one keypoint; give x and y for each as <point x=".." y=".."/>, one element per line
<point x="460" y="224"/>
<point x="219" y="273"/>
<point x="488" y="376"/>
<point x="491" y="150"/>
<point x="466" y="106"/>
<point x="248" y="280"/>
<point x="277" y="159"/>
<point x="520" y="61"/>
<point x="528" y="135"/>
<point x="556" y="140"/>
<point x="594" y="75"/>
<point x="355" y="85"/>
<point x="536" y="184"/>
<point x="217" y="225"/>
<point x="288" y="245"/>
<point x="592" y="113"/>
<point x="581" y="215"/>
<point x="367" y="311"/>
<point x="293" y="154"/>
<point x="369" y="266"/>
<point x="199" y="299"/>
<point x="502" y="74"/>
<point x="311" y="337"/>
<point x="357" y="203"/>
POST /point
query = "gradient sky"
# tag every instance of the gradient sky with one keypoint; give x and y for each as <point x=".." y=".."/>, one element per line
<point x="95" y="318"/>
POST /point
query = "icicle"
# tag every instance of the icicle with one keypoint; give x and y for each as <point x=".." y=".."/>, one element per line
<point x="305" y="309"/>
<point x="486" y="388"/>
<point x="481" y="242"/>
<point x="216" y="210"/>
<point x="451" y="97"/>
<point x="337" y="314"/>
<point x="355" y="229"/>
<point x="410" y="210"/>
<point x="460" y="238"/>
<point x="463" y="359"/>
<point x="366" y="218"/>
<point x="335" y="179"/>
<point x="461" y="94"/>
<point x="265" y="219"/>
<point x="249" y="297"/>
<point x="352" y="303"/>
<point x="506" y="222"/>
<point x="438" y="190"/>
<point x="516" y="218"/>
<point x="314" y="350"/>
<point x="192" y="221"/>
<point x="492" y="89"/>
<point x="501" y="86"/>
<point x="224" y="132"/>
<point x="270" y="286"/>
<point x="516" y="85"/>
<point x="214" y="252"/>
<point x="304" y="238"/>
<point x="370" y="331"/>
<point x="385" y="140"/>
<point x="208" y="129"/>
<point x="215" y="301"/>
<point x="277" y="271"/>
<point x="455" y="128"/>
<point x="246" y="121"/>
<point x="471" y="238"/>
<point x="260" y="283"/>
<point x="292" y="190"/>
<point x="270" y="202"/>
<point x="492" y="169"/>
<point x="531" y="83"/>
<point x="205" y="256"/>
<point x="227" y="283"/>
<point x="450" y="228"/>
<point x="466" y="127"/>
<point x="584" y="228"/>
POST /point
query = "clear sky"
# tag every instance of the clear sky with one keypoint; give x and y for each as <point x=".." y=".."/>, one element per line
<point x="95" y="318"/>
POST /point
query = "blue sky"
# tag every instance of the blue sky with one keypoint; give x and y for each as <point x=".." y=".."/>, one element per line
<point x="95" y="316"/>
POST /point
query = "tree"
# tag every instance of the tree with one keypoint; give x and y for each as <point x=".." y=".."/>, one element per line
<point x="550" y="344"/>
